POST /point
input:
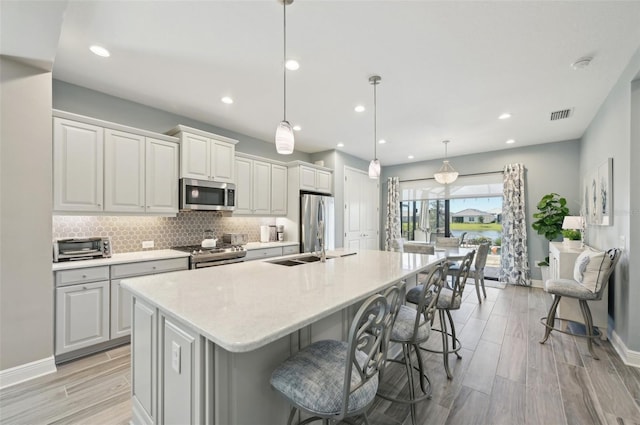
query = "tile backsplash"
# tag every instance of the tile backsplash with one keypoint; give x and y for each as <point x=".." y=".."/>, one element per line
<point x="128" y="232"/>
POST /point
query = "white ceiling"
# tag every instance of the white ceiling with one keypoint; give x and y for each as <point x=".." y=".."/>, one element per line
<point x="448" y="68"/>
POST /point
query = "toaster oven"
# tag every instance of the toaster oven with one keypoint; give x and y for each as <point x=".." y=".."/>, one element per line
<point x="71" y="249"/>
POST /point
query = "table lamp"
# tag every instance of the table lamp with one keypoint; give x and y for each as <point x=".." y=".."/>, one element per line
<point x="573" y="222"/>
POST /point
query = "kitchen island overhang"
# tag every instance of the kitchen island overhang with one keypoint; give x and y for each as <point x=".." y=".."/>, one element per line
<point x="206" y="340"/>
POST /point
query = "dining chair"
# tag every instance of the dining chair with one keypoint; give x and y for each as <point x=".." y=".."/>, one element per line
<point x="591" y="272"/>
<point x="477" y="269"/>
<point x="412" y="327"/>
<point x="333" y="380"/>
<point x="449" y="299"/>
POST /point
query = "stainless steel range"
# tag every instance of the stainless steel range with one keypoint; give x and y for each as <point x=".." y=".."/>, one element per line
<point x="209" y="257"/>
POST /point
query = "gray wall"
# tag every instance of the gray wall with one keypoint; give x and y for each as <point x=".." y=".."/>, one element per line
<point x="550" y="167"/>
<point x="80" y="100"/>
<point x="614" y="133"/>
<point x="26" y="286"/>
<point x="338" y="160"/>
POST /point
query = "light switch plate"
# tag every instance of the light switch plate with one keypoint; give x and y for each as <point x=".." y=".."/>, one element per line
<point x="147" y="244"/>
<point x="175" y="356"/>
<point x="623" y="242"/>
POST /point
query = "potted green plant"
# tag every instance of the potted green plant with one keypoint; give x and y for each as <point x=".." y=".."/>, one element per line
<point x="548" y="222"/>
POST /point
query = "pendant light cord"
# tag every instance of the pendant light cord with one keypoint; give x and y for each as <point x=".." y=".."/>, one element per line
<point x="375" y="121"/>
<point x="284" y="64"/>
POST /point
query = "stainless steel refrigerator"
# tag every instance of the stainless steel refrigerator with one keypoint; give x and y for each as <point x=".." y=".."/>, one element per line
<point x="316" y="212"/>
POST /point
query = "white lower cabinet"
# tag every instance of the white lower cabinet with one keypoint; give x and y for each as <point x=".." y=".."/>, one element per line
<point x="262" y="253"/>
<point x="143" y="355"/>
<point x="93" y="310"/>
<point x="120" y="310"/>
<point x="82" y="316"/>
<point x="177" y="373"/>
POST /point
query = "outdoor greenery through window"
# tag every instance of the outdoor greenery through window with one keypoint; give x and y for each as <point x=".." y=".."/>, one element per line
<point x="479" y="219"/>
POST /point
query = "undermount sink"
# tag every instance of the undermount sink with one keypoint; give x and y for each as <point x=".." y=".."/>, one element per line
<point x="296" y="261"/>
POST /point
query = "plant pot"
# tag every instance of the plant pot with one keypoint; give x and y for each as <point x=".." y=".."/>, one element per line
<point x="544" y="270"/>
<point x="571" y="244"/>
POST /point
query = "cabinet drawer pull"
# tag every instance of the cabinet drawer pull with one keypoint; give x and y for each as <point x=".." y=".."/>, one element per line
<point x="84" y="276"/>
<point x="153" y="268"/>
<point x="84" y="288"/>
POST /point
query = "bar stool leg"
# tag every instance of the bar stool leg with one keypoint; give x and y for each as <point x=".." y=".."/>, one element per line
<point x="291" y="415"/>
<point x="406" y="350"/>
<point x="453" y="334"/>
<point x="445" y="343"/>
<point x="551" y="318"/>
<point x="476" y="278"/>
<point x="588" y="322"/>
<point x="422" y="371"/>
<point x="484" y="291"/>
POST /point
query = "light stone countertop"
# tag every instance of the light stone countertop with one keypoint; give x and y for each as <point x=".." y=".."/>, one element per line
<point x="125" y="257"/>
<point x="244" y="306"/>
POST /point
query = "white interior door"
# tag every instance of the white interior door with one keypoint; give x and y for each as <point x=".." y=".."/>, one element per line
<point x="360" y="210"/>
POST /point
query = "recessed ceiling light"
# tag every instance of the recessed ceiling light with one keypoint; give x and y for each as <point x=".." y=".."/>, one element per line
<point x="227" y="100"/>
<point x="359" y="108"/>
<point x="292" y="65"/>
<point x="340" y="145"/>
<point x="582" y="63"/>
<point x="297" y="128"/>
<point x="504" y="116"/>
<point x="100" y="51"/>
<point x="410" y="157"/>
<point x="382" y="141"/>
<point x="510" y="142"/>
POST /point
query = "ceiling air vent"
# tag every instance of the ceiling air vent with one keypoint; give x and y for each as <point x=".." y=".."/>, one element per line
<point x="560" y="115"/>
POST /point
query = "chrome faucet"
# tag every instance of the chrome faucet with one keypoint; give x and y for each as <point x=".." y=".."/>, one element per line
<point x="320" y="235"/>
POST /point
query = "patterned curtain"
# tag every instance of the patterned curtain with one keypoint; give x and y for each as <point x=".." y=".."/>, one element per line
<point x="514" y="261"/>
<point x="392" y="220"/>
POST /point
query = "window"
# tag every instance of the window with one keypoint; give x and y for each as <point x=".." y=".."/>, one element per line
<point x="471" y="205"/>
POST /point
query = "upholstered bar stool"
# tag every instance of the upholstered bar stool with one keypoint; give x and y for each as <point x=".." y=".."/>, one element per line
<point x="411" y="328"/>
<point x="477" y="269"/>
<point x="449" y="299"/>
<point x="333" y="380"/>
<point x="591" y="273"/>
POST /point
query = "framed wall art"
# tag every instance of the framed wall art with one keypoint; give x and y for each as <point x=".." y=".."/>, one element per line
<point x="598" y="195"/>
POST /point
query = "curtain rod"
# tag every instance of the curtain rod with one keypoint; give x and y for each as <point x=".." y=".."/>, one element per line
<point x="461" y="175"/>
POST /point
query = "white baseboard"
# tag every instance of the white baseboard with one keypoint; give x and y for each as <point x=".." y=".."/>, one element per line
<point x="535" y="283"/>
<point x="629" y="357"/>
<point x="25" y="372"/>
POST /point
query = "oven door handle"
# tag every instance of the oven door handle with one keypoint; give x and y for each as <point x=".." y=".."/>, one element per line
<point x="217" y="263"/>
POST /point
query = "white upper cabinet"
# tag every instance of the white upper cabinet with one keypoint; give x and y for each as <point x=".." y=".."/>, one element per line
<point x="223" y="155"/>
<point x="314" y="179"/>
<point x="141" y="174"/>
<point x="261" y="186"/>
<point x="196" y="156"/>
<point x="278" y="189"/>
<point x="161" y="177"/>
<point x="244" y="184"/>
<point x="124" y="173"/>
<point x="77" y="166"/>
<point x="109" y="168"/>
<point x="205" y="156"/>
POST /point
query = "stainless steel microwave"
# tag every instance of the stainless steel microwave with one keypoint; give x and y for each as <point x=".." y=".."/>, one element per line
<point x="206" y="195"/>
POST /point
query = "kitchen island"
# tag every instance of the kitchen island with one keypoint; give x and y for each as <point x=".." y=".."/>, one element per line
<point x="205" y="341"/>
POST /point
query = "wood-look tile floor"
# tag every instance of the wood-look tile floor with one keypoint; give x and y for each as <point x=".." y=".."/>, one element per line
<point x="504" y="377"/>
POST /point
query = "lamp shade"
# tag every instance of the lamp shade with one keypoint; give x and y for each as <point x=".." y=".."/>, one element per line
<point x="284" y="138"/>
<point x="446" y="174"/>
<point x="374" y="169"/>
<point x="573" y="222"/>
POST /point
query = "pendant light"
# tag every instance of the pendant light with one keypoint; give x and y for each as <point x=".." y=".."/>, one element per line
<point x="374" y="165"/>
<point x="446" y="174"/>
<point x="284" y="132"/>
